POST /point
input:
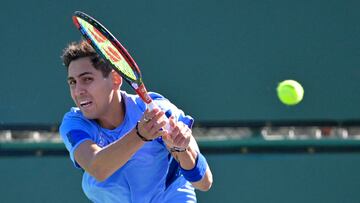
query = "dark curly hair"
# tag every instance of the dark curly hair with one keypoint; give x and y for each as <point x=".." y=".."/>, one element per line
<point x="76" y="50"/>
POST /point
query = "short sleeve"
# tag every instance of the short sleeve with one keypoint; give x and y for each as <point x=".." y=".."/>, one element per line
<point x="73" y="131"/>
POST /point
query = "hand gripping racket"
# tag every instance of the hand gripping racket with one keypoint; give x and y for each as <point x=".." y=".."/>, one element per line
<point x="108" y="47"/>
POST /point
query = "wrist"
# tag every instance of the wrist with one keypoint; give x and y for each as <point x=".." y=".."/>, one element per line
<point x="139" y="134"/>
<point x="178" y="149"/>
<point x="187" y="158"/>
<point x="197" y="172"/>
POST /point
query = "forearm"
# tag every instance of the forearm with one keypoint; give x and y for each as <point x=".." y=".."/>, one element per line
<point x="103" y="162"/>
<point x="185" y="150"/>
<point x="188" y="161"/>
<point x="187" y="158"/>
<point x="107" y="160"/>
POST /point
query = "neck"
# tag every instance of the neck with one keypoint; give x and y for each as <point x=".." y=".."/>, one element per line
<point x="116" y="113"/>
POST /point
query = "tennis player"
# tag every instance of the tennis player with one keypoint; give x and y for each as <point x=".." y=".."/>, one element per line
<point x="121" y="146"/>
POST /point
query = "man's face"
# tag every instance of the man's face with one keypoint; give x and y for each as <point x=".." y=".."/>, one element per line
<point x="90" y="90"/>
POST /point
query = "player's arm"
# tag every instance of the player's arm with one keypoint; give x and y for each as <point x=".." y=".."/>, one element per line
<point x="193" y="164"/>
<point x="103" y="162"/>
<point x="189" y="160"/>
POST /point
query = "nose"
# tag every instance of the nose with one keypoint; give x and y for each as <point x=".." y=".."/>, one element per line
<point x="79" y="90"/>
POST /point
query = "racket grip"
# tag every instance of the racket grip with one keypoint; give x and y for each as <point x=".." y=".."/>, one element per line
<point x="152" y="106"/>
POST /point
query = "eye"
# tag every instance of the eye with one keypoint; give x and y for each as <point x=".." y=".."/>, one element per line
<point x="87" y="79"/>
<point x="71" y="82"/>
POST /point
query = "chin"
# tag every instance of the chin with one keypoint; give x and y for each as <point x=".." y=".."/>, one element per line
<point x="89" y="115"/>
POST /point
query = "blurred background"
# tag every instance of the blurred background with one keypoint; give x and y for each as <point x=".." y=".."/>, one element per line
<point x="220" y="61"/>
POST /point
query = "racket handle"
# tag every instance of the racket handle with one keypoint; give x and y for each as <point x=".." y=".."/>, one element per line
<point x="152" y="106"/>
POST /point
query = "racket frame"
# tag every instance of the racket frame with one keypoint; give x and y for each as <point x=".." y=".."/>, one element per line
<point x="137" y="84"/>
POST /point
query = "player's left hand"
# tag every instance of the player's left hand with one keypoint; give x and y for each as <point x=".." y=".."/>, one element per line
<point x="179" y="136"/>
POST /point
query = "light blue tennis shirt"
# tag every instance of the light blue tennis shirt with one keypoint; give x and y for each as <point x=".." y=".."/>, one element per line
<point x="150" y="176"/>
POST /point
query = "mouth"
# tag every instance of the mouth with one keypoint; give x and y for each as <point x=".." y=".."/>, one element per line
<point x="85" y="104"/>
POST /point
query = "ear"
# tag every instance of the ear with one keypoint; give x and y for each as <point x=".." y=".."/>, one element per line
<point x="117" y="79"/>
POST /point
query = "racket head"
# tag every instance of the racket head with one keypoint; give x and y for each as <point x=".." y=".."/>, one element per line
<point x="110" y="49"/>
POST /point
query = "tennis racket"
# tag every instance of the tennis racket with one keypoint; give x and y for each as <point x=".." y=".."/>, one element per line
<point x="109" y="48"/>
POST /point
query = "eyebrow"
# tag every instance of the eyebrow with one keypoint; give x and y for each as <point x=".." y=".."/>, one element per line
<point x="80" y="75"/>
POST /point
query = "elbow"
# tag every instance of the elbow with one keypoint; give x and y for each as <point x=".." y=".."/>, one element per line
<point x="206" y="183"/>
<point x="99" y="172"/>
<point x="100" y="175"/>
<point x="205" y="186"/>
<point x="208" y="186"/>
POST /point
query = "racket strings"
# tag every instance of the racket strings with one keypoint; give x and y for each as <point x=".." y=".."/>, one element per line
<point x="108" y="50"/>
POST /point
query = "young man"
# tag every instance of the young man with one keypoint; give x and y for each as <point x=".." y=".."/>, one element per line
<point x="123" y="148"/>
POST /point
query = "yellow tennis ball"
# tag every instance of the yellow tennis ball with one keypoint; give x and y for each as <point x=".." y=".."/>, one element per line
<point x="290" y="92"/>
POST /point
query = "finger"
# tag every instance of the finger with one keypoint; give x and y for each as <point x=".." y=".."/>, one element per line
<point x="160" y="133"/>
<point x="145" y="116"/>
<point x="175" y="131"/>
<point x="172" y="121"/>
<point x="156" y="128"/>
<point x="159" y="125"/>
<point x="154" y="111"/>
<point x="167" y="139"/>
<point x="153" y="117"/>
<point x="156" y="120"/>
<point x="149" y="114"/>
<point x="182" y="128"/>
<point x="158" y="116"/>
